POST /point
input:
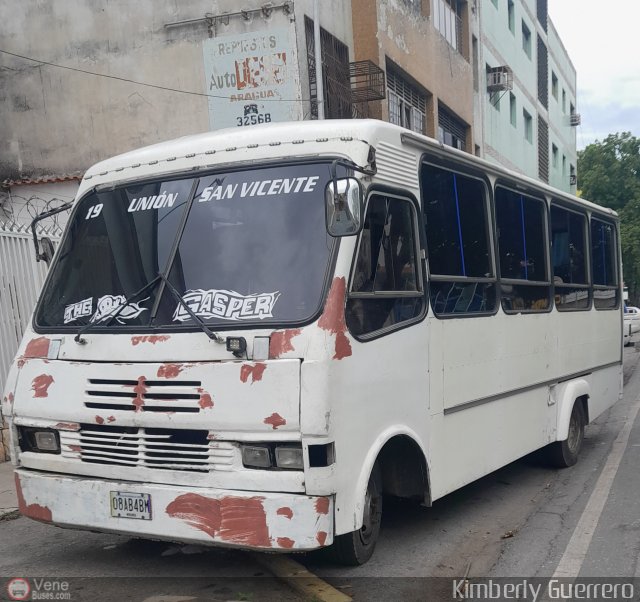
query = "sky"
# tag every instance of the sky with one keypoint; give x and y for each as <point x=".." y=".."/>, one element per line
<point x="603" y="42"/>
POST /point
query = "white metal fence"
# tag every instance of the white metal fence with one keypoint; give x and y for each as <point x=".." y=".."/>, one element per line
<point x="21" y="278"/>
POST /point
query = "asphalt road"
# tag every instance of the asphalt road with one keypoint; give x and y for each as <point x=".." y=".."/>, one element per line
<point x="518" y="522"/>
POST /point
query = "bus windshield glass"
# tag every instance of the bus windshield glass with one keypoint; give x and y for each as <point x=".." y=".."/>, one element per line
<point x="241" y="248"/>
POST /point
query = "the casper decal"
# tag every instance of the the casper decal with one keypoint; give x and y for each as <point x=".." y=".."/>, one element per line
<point x="109" y="305"/>
<point x="78" y="310"/>
<point x="226" y="305"/>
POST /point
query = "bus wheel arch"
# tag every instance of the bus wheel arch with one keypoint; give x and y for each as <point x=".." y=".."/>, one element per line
<point x="399" y="468"/>
<point x="574" y="417"/>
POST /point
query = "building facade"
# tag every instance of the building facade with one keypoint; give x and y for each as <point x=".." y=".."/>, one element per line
<point x="529" y="97"/>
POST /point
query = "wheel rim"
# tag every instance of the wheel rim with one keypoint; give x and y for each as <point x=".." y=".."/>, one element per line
<point x="371" y="513"/>
<point x="574" y="439"/>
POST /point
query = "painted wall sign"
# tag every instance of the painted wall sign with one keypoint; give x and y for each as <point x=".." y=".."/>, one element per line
<point x="253" y="78"/>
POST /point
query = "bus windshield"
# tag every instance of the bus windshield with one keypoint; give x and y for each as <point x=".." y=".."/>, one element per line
<point x="242" y="248"/>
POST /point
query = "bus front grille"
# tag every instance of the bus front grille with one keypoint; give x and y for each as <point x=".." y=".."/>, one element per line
<point x="141" y="395"/>
<point x="166" y="449"/>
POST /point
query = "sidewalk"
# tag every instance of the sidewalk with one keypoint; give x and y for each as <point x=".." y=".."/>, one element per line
<point x="8" y="499"/>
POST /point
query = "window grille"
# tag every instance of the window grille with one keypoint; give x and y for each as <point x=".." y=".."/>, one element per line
<point x="543" y="150"/>
<point x="451" y="130"/>
<point x="543" y="73"/>
<point x="407" y="105"/>
<point x="335" y="68"/>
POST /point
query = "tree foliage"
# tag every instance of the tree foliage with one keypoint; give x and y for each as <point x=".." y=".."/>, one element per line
<point x="609" y="174"/>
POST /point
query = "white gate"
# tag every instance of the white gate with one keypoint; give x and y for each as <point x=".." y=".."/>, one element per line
<point x="21" y="278"/>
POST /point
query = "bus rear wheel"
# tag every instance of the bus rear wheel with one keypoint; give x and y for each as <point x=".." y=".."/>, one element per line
<point x="563" y="454"/>
<point x="355" y="548"/>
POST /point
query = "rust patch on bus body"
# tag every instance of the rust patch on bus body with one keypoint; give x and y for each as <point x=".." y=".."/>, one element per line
<point x="152" y="338"/>
<point x="232" y="519"/>
<point x="41" y="384"/>
<point x="285" y="542"/>
<point x="280" y="342"/>
<point x="285" y="511"/>
<point x="99" y="420"/>
<point x="275" y="420"/>
<point x="169" y="370"/>
<point x="205" y="400"/>
<point x="75" y="448"/>
<point x="37" y="348"/>
<point x="255" y="371"/>
<point x="111" y="419"/>
<point x="332" y="319"/>
<point x="321" y="537"/>
<point x="67" y="426"/>
<point x="34" y="511"/>
<point x="140" y="389"/>
<point x="322" y="505"/>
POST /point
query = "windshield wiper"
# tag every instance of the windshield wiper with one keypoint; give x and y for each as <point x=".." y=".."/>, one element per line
<point x="197" y="319"/>
<point x="116" y="312"/>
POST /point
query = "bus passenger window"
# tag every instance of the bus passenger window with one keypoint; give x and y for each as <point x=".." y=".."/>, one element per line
<point x="457" y="231"/>
<point x="386" y="286"/>
<point x="569" y="259"/>
<point x="603" y="265"/>
<point x="522" y="244"/>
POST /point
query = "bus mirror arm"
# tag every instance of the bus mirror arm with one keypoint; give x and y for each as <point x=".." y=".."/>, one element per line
<point x="46" y="254"/>
<point x="344" y="200"/>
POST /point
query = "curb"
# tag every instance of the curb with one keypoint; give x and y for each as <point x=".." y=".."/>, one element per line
<point x="298" y="578"/>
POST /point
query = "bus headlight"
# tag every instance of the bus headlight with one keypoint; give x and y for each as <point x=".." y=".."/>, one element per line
<point x="39" y="440"/>
<point x="289" y="457"/>
<point x="254" y="456"/>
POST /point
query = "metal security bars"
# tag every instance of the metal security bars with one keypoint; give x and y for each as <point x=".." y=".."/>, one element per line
<point x="407" y="104"/>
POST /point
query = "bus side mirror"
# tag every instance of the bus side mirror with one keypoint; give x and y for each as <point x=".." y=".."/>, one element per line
<point x="47" y="250"/>
<point x="344" y="207"/>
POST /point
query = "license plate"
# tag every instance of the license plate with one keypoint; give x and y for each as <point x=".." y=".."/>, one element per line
<point x="130" y="505"/>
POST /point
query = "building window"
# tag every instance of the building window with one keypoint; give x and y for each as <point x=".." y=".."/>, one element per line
<point x="528" y="126"/>
<point x="564" y="100"/>
<point x="447" y="20"/>
<point x="554" y="85"/>
<point x="456" y="218"/>
<point x="511" y="16"/>
<point x="526" y="39"/>
<point x="573" y="180"/>
<point x="572" y="109"/>
<point x="407" y="104"/>
<point x="451" y="130"/>
<point x="335" y="75"/>
<point x="554" y="156"/>
<point x="512" y="109"/>
<point x="564" y="166"/>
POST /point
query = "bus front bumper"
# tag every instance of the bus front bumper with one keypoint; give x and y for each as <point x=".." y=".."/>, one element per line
<point x="262" y="521"/>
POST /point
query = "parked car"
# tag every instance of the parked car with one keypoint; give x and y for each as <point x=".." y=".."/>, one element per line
<point x="631" y="322"/>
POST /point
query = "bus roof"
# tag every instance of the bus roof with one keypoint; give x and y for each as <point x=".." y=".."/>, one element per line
<point x="284" y="140"/>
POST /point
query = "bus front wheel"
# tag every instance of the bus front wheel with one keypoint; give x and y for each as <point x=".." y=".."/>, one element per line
<point x="357" y="547"/>
<point x="563" y="454"/>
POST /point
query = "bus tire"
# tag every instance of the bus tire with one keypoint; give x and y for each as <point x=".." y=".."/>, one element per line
<point x="563" y="454"/>
<point x="355" y="548"/>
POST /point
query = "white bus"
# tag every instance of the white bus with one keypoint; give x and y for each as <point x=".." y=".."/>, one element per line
<point x="247" y="337"/>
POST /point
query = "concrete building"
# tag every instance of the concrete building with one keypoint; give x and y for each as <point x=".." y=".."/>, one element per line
<point x="529" y="95"/>
<point x="425" y="49"/>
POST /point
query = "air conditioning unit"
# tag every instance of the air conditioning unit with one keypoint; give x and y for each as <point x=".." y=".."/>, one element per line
<point x="574" y="119"/>
<point x="499" y="78"/>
